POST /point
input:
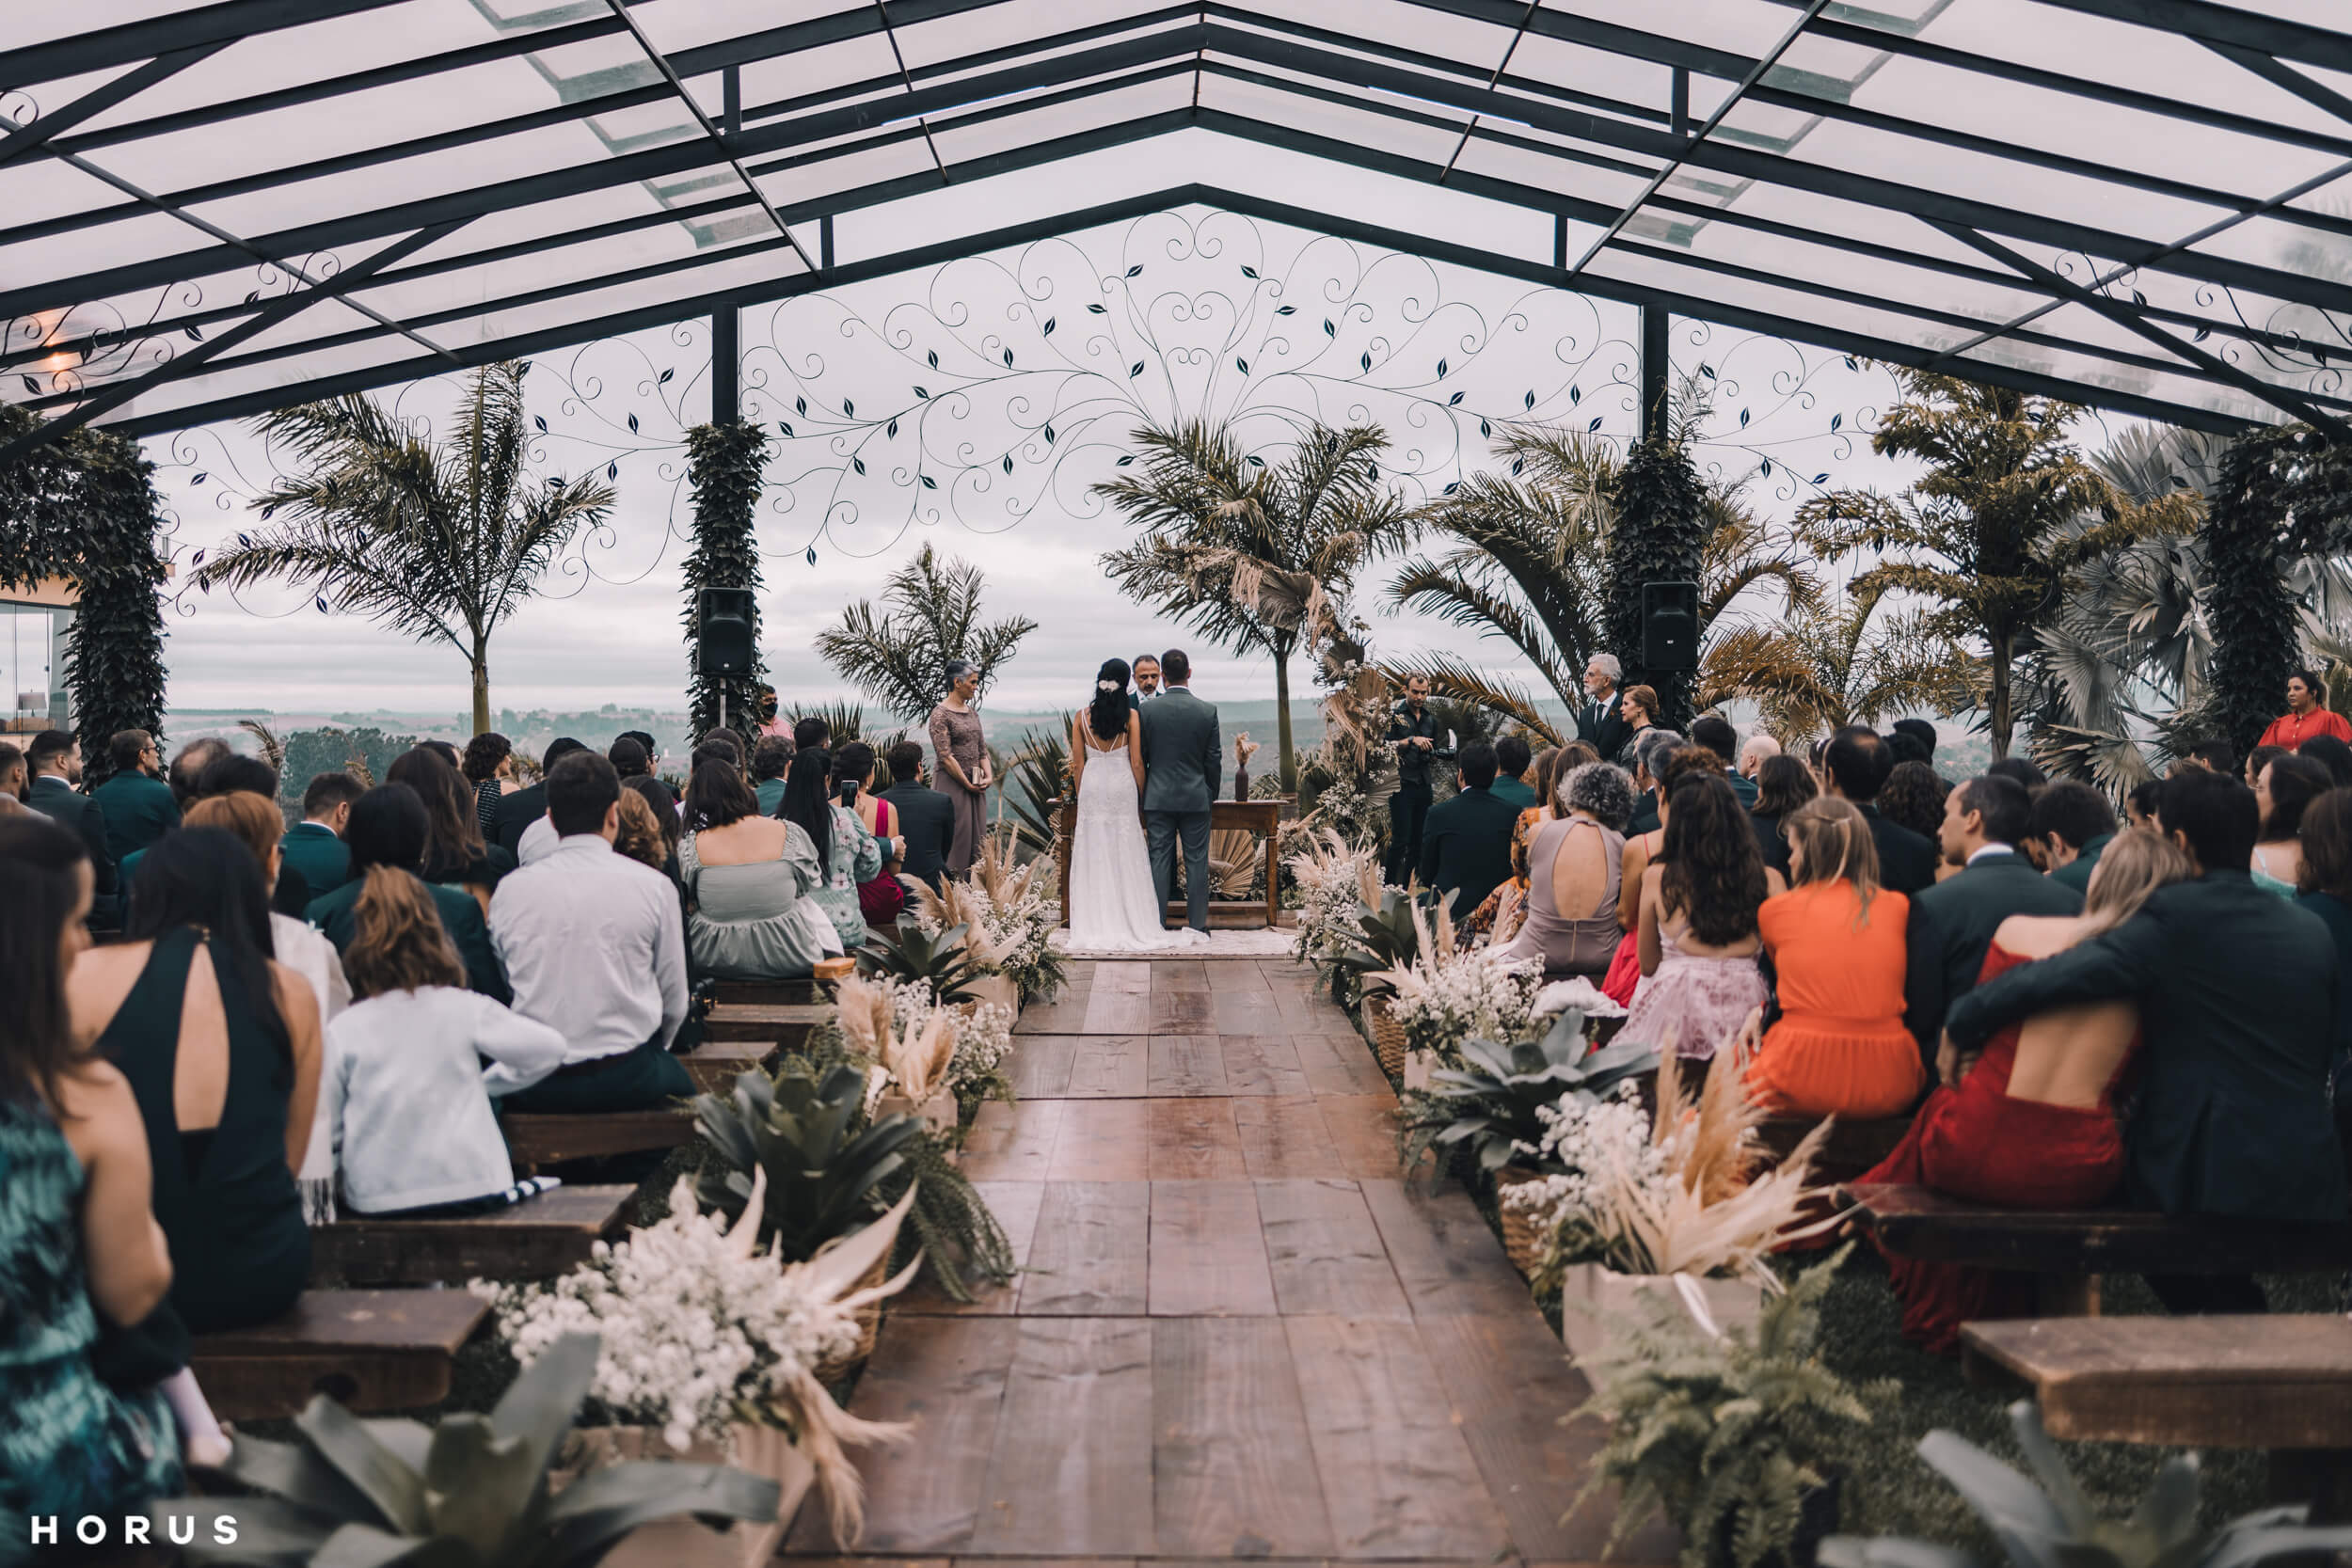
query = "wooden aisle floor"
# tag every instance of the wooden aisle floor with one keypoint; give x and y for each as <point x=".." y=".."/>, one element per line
<point x="1239" y="1333"/>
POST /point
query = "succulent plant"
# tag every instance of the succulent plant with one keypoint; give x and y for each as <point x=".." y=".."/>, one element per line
<point x="942" y="962"/>
<point x="470" y="1493"/>
<point x="2052" y="1524"/>
<point x="1389" y="940"/>
<point x="1490" y="1104"/>
<point x="824" y="1178"/>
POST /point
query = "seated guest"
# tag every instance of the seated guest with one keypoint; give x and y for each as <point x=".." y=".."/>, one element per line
<point x="1544" y="777"/>
<point x="2327" y="884"/>
<point x="220" y="1043"/>
<point x="520" y="809"/>
<point x="1698" y="939"/>
<point x="15" y="777"/>
<point x="1912" y="796"/>
<point x="1466" y="844"/>
<point x="927" y="818"/>
<point x="2139" y="806"/>
<point x="665" y="821"/>
<point x="812" y="733"/>
<point x="1513" y="757"/>
<point x="1646" y="753"/>
<point x="2031" y="1122"/>
<point x="1922" y="733"/>
<point x="1575" y="864"/>
<point x="771" y="759"/>
<point x="55" y="758"/>
<point x="1907" y="748"/>
<point x="846" y="854"/>
<point x="314" y="846"/>
<point x="1782" y="784"/>
<point x="301" y="947"/>
<point x="1836" y="940"/>
<point x="388" y="827"/>
<point x="1714" y="732"/>
<point x="79" y="1247"/>
<point x="2331" y="753"/>
<point x="596" y="949"/>
<point x="2068" y="829"/>
<point x="882" y="896"/>
<point x="748" y="882"/>
<point x="2258" y="759"/>
<point x="455" y="853"/>
<point x="632" y="753"/>
<point x="1754" y="752"/>
<point x="2019" y="771"/>
<point x="1953" y="920"/>
<point x="1665" y="762"/>
<point x="1856" y="763"/>
<point x="415" y="1063"/>
<point x="233" y="771"/>
<point x="188" y="764"/>
<point x="2285" y="786"/>
<point x="2237" y="1006"/>
<point x="140" y="807"/>
<point x="638" y="836"/>
<point x="2217" y="756"/>
<point x="489" y="771"/>
<point x="2306" y="716"/>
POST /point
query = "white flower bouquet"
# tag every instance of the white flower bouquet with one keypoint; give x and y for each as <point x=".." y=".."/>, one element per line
<point x="700" y="1331"/>
<point x="981" y="1035"/>
<point x="1442" y="999"/>
<point x="1336" y="881"/>
<point x="1009" y="920"/>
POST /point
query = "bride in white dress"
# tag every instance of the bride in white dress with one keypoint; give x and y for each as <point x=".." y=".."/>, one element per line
<point x="1114" y="907"/>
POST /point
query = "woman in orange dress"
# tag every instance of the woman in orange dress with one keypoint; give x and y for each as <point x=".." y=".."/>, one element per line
<point x="1836" y="939"/>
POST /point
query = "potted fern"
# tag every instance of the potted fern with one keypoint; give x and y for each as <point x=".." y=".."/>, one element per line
<point x="1729" y="1432"/>
<point x="2047" y="1522"/>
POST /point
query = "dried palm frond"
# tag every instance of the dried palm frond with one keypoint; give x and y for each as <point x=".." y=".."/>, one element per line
<point x="862" y="1009"/>
<point x="916" y="1059"/>
<point x="1233" y="861"/>
<point x="273" y="749"/>
<point x="996" y="876"/>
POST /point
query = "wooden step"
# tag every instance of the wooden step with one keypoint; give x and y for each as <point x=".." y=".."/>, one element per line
<point x="539" y="1237"/>
<point x="539" y="1141"/>
<point x="784" y="1024"/>
<point x="770" y="993"/>
<point x="713" y="1066"/>
<point x="373" y="1349"/>
<point x="1851" y="1148"/>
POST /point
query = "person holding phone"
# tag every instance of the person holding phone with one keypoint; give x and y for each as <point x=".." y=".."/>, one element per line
<point x="883" y="896"/>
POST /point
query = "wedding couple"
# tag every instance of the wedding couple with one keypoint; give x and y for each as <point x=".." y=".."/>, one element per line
<point x="1144" y="771"/>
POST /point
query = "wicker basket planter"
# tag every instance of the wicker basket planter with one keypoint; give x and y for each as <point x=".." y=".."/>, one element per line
<point x="1520" y="1236"/>
<point x="1000" y="988"/>
<point x="1591" y="1295"/>
<point x="939" y="1112"/>
<point x="1388" y="1035"/>
<point x="868" y="1325"/>
<point x="681" y="1542"/>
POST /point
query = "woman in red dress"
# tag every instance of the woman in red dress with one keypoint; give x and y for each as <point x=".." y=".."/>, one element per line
<point x="2306" y="716"/>
<point x="2030" y="1123"/>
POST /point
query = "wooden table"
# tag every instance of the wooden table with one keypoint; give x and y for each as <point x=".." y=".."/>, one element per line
<point x="1262" y="818"/>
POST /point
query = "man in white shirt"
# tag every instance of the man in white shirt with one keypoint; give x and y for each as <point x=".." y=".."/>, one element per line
<point x="596" y="949"/>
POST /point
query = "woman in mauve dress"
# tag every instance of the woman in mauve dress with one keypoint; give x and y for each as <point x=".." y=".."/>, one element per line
<point x="962" y="756"/>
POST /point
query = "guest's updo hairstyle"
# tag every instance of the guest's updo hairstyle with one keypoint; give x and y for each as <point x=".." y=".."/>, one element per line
<point x="1106" y="715"/>
<point x="1602" y="791"/>
<point x="716" y="794"/>
<point x="2131" y="867"/>
<point x="1836" y="843"/>
<point x="957" y="669"/>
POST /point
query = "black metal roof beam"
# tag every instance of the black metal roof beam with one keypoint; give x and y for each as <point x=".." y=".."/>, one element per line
<point x="905" y="76"/>
<point x="108" y="48"/>
<point x="2205" y="21"/>
<point x="1458" y="254"/>
<point x="2215" y="368"/>
<point x="115" y="394"/>
<point x="57" y="121"/>
<point x="2281" y="74"/>
<point x="1500" y="66"/>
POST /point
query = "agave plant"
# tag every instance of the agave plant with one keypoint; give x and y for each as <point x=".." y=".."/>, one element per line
<point x="1391" y="938"/>
<point x="2052" y="1525"/>
<point x="1489" y="1106"/>
<point x="823" y="1180"/>
<point x="943" y="962"/>
<point x="470" y="1493"/>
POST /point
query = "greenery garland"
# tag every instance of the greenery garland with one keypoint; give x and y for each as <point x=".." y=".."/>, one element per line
<point x="726" y="463"/>
<point x="2282" y="495"/>
<point x="1660" y="533"/>
<point x="84" y="507"/>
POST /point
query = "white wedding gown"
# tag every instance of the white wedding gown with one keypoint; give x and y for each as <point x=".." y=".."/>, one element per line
<point x="1114" y="907"/>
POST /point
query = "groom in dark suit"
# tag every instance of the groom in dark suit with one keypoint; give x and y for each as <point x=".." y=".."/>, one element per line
<point x="1180" y="769"/>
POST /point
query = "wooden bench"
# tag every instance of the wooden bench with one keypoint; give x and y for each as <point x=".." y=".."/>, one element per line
<point x="714" y="1064"/>
<point x="373" y="1349"/>
<point x="2281" y="1384"/>
<point x="787" y="1024"/>
<point x="2068" y="1249"/>
<point x="539" y="1237"/>
<point x="535" y="1142"/>
<point x="1851" y="1148"/>
<point x="764" y="993"/>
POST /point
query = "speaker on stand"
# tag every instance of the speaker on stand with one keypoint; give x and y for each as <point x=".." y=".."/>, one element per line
<point x="724" y="644"/>
<point x="1670" y="626"/>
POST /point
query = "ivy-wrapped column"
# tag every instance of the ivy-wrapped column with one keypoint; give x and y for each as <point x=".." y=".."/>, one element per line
<point x="724" y="465"/>
<point x="2282" y="496"/>
<point x="1659" y="534"/>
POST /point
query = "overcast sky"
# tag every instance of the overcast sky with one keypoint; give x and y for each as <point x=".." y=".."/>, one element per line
<point x="613" y="633"/>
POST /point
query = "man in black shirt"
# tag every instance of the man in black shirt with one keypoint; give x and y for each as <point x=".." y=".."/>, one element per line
<point x="1857" y="762"/>
<point x="1413" y="731"/>
<point x="927" y="818"/>
<point x="1468" y="850"/>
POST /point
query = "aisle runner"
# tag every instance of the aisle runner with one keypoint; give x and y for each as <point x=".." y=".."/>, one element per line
<point x="1222" y="944"/>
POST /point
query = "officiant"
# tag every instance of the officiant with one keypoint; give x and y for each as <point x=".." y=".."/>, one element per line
<point x="1413" y="731"/>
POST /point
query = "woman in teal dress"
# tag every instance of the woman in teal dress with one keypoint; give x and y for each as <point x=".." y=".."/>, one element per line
<point x="846" y="854"/>
<point x="76" y="1235"/>
<point x="2285" y="786"/>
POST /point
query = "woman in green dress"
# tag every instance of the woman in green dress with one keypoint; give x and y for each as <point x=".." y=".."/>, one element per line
<point x="846" y="854"/>
<point x="77" y="1237"/>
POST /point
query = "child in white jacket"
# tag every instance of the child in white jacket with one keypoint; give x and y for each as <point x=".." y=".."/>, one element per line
<point x="414" y="1063"/>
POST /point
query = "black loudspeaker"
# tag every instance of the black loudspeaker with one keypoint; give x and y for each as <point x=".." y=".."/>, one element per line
<point x="723" y="632"/>
<point x="1670" y="626"/>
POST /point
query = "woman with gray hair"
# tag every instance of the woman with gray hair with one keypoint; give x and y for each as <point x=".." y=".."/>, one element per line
<point x="959" y="754"/>
<point x="1574" y="868"/>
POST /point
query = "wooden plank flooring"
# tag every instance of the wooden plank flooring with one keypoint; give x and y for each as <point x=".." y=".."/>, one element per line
<point x="1239" y="1333"/>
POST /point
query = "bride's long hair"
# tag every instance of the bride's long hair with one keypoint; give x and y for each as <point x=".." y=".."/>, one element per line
<point x="1106" y="715"/>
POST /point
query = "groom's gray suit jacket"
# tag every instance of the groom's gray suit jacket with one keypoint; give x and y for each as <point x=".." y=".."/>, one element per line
<point x="1180" y="755"/>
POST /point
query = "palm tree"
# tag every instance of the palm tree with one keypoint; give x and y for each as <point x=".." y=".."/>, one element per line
<point x="1530" y="567"/>
<point x="899" y="657"/>
<point x="440" y="542"/>
<point x="1990" y="533"/>
<point x="1257" y="558"/>
<point x="1829" y="667"/>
